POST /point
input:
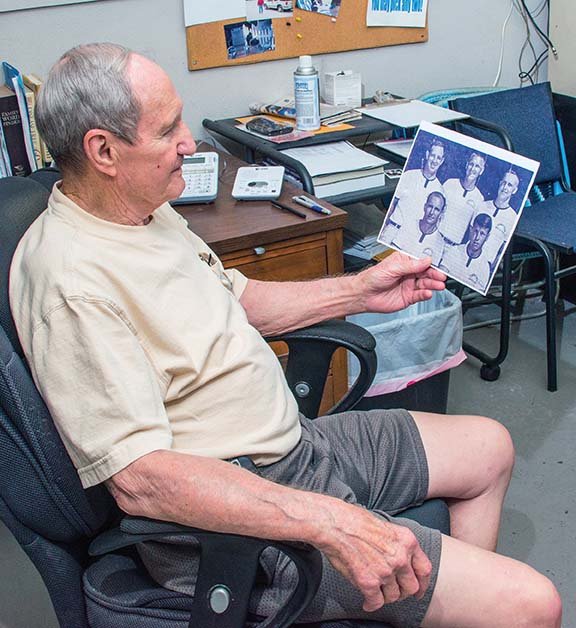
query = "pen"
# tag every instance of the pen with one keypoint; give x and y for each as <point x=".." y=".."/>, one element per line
<point x="288" y="209"/>
<point x="310" y="204"/>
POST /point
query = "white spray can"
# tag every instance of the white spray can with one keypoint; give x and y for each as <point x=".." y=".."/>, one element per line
<point x="307" y="95"/>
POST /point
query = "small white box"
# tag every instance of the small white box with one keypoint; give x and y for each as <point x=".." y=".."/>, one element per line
<point x="343" y="88"/>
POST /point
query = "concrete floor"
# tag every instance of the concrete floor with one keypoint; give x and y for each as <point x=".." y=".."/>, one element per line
<point x="538" y="525"/>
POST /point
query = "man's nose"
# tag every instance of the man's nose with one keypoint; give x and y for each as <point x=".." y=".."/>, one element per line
<point x="187" y="145"/>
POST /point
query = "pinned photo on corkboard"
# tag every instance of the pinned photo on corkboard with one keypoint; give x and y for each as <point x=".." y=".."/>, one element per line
<point x="326" y="7"/>
<point x="249" y="38"/>
<point x="458" y="201"/>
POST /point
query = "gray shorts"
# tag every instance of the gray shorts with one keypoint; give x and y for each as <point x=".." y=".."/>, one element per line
<point x="375" y="459"/>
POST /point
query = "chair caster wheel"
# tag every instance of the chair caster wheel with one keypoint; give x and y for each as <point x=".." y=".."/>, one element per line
<point x="489" y="373"/>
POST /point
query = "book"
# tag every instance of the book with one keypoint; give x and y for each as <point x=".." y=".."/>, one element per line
<point x="30" y="102"/>
<point x="33" y="82"/>
<point x="13" y="80"/>
<point x="349" y="185"/>
<point x="339" y="167"/>
<point x="18" y="163"/>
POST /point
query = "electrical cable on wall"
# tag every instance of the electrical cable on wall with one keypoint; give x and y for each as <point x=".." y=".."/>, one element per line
<point x="531" y="75"/>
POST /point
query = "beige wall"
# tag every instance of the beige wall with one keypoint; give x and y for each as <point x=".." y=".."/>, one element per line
<point x="562" y="29"/>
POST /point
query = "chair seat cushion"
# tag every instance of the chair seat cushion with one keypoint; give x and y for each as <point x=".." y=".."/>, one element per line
<point x="552" y="221"/>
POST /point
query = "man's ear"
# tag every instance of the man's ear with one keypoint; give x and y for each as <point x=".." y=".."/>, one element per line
<point x="100" y="151"/>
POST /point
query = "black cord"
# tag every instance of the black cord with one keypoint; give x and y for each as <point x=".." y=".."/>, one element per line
<point x="527" y="75"/>
<point x="539" y="30"/>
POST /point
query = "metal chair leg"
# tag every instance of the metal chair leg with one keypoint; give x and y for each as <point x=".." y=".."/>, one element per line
<point x="550" y="302"/>
<point x="490" y="370"/>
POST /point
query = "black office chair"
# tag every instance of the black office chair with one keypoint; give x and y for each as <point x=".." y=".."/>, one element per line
<point x="523" y="120"/>
<point x="79" y="541"/>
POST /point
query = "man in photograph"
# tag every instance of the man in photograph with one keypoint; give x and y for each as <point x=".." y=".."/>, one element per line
<point x="468" y="262"/>
<point x="414" y="188"/>
<point x="503" y="215"/>
<point x="422" y="237"/>
<point x="463" y="199"/>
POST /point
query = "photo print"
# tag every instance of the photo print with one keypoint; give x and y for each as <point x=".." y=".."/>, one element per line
<point x="268" y="9"/>
<point x="249" y="38"/>
<point x="458" y="201"/>
<point x="326" y="7"/>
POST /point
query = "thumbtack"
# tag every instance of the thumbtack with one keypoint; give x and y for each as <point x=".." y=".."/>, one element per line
<point x="298" y="36"/>
<point x="298" y="19"/>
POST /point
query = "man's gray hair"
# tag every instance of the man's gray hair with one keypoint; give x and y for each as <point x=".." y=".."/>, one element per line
<point x="86" y="89"/>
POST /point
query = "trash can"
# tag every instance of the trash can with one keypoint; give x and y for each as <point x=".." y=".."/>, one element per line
<point x="416" y="349"/>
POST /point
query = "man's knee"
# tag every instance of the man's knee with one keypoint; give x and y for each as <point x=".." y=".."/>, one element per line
<point x="539" y="603"/>
<point x="499" y="449"/>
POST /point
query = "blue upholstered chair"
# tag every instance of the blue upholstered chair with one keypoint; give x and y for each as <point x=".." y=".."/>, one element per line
<point x="523" y="120"/>
<point x="79" y="541"/>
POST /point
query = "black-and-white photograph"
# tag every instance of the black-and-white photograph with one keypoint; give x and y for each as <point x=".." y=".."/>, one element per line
<point x="458" y="201"/>
<point x="249" y="38"/>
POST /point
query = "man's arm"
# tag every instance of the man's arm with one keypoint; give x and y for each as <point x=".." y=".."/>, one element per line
<point x="393" y="284"/>
<point x="384" y="561"/>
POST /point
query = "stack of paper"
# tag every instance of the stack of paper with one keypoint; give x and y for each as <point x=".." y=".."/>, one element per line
<point x="400" y="147"/>
<point x="339" y="167"/>
<point x="329" y="114"/>
<point x="362" y="229"/>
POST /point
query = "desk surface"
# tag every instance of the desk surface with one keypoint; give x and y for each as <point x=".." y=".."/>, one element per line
<point x="228" y="225"/>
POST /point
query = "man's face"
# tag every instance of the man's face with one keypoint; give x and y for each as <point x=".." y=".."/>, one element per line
<point x="149" y="172"/>
<point x="478" y="236"/>
<point x="434" y="159"/>
<point x="507" y="187"/>
<point x="474" y="167"/>
<point x="433" y="209"/>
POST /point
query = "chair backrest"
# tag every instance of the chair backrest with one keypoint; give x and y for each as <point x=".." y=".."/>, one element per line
<point x="21" y="202"/>
<point x="41" y="499"/>
<point x="527" y="114"/>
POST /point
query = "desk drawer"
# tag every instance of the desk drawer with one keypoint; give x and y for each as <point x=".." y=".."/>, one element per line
<point x="289" y="260"/>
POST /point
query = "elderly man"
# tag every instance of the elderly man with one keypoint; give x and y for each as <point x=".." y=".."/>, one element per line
<point x="462" y="200"/>
<point x="421" y="237"/>
<point x="503" y="215"/>
<point x="413" y="190"/>
<point x="152" y="364"/>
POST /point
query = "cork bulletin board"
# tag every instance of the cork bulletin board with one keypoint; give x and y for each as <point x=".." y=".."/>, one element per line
<point x="303" y="33"/>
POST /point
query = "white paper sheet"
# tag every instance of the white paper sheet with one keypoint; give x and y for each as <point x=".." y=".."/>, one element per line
<point x="395" y="13"/>
<point x="333" y="157"/>
<point x="204" y="11"/>
<point x="412" y="113"/>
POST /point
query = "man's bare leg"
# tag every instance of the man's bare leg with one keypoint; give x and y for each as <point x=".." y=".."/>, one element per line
<point x="470" y="462"/>
<point x="477" y="588"/>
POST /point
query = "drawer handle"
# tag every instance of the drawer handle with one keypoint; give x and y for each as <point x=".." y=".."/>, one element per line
<point x="260" y="250"/>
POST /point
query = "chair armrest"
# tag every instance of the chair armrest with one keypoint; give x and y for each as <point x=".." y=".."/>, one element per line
<point x="490" y="127"/>
<point x="228" y="566"/>
<point x="310" y="353"/>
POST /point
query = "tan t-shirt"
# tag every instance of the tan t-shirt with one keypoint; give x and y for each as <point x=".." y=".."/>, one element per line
<point x="137" y="342"/>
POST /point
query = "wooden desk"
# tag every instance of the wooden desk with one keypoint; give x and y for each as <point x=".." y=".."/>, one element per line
<point x="267" y="243"/>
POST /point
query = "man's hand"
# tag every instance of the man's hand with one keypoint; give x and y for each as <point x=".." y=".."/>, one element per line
<point x="397" y="282"/>
<point x="382" y="560"/>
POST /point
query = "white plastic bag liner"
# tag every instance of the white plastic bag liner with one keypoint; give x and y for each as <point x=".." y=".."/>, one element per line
<point x="413" y="344"/>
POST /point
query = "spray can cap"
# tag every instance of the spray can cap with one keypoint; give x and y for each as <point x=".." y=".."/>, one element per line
<point x="305" y="62"/>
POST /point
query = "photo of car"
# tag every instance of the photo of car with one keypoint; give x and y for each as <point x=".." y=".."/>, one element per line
<point x="278" y="5"/>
